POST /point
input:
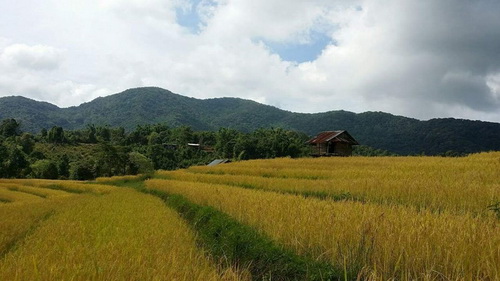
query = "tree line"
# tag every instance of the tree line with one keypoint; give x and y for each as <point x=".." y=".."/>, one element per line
<point x="97" y="151"/>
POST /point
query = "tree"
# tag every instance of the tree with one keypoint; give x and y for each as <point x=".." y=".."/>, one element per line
<point x="4" y="155"/>
<point x="56" y="135"/>
<point x="16" y="165"/>
<point x="225" y="141"/>
<point x="163" y="157"/>
<point x="139" y="164"/>
<point x="104" y="134"/>
<point x="182" y="135"/>
<point x="118" y="136"/>
<point x="63" y="166"/>
<point x="43" y="133"/>
<point x="44" y="169"/>
<point x="9" y="128"/>
<point x="91" y="133"/>
<point x="140" y="135"/>
<point x="154" y="138"/>
<point x="110" y="160"/>
<point x="83" y="169"/>
<point x="27" y="142"/>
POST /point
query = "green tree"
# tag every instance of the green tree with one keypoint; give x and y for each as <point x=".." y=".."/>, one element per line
<point x="104" y="134"/>
<point x="163" y="157"/>
<point x="225" y="141"/>
<point x="27" y="142"/>
<point x="43" y="134"/>
<point x="110" y="160"/>
<point x="9" y="128"/>
<point x="37" y="155"/>
<point x="139" y="164"/>
<point x="56" y="135"/>
<point x="44" y="169"/>
<point x="154" y="138"/>
<point x="91" y="133"/>
<point x="140" y="135"/>
<point x="16" y="165"/>
<point x="182" y="135"/>
<point x="118" y="136"/>
<point x="83" y="169"/>
<point x="63" y="166"/>
<point x="4" y="155"/>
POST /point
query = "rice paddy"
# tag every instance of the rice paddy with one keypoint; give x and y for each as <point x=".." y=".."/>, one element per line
<point x="386" y="218"/>
<point x="97" y="233"/>
<point x="401" y="218"/>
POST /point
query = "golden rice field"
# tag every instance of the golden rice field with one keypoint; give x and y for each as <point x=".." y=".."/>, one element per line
<point x="95" y="232"/>
<point x="407" y="218"/>
<point x="373" y="218"/>
<point x="458" y="185"/>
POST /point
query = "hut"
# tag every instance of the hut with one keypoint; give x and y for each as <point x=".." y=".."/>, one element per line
<point x="332" y="143"/>
<point x="204" y="148"/>
<point x="219" y="161"/>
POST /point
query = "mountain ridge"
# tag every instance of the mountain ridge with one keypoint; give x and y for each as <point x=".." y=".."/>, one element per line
<point x="150" y="105"/>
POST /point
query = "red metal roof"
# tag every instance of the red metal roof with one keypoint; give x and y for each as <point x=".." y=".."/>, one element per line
<point x="335" y="136"/>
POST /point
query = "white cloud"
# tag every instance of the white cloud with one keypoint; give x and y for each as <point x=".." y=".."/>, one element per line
<point x="36" y="57"/>
<point x="404" y="57"/>
<point x="416" y="58"/>
<point x="280" y="20"/>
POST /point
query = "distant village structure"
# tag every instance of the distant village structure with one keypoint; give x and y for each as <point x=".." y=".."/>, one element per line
<point x="218" y="162"/>
<point x="332" y="143"/>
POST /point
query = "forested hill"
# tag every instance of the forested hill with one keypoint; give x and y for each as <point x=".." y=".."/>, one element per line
<point x="155" y="105"/>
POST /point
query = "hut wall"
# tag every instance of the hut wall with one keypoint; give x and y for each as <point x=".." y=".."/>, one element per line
<point x="318" y="149"/>
<point x="338" y="148"/>
<point x="323" y="148"/>
<point x="344" y="149"/>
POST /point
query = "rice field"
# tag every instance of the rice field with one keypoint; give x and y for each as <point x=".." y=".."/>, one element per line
<point x="80" y="231"/>
<point x="402" y="218"/>
<point x="387" y="218"/>
<point x="459" y="185"/>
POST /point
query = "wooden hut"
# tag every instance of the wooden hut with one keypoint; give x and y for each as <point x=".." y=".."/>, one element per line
<point x="332" y="143"/>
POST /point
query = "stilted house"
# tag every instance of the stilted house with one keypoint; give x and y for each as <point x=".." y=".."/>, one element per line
<point x="332" y="143"/>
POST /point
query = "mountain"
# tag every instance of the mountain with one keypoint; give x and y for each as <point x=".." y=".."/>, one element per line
<point x="155" y="105"/>
<point x="33" y="114"/>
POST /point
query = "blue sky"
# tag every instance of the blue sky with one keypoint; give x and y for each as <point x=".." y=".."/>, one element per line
<point x="189" y="17"/>
<point x="297" y="52"/>
<point x="301" y="52"/>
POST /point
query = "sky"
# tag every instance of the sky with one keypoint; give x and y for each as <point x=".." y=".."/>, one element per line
<point x="417" y="58"/>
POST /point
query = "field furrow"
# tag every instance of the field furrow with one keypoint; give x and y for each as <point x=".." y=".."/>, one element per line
<point x="241" y="246"/>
